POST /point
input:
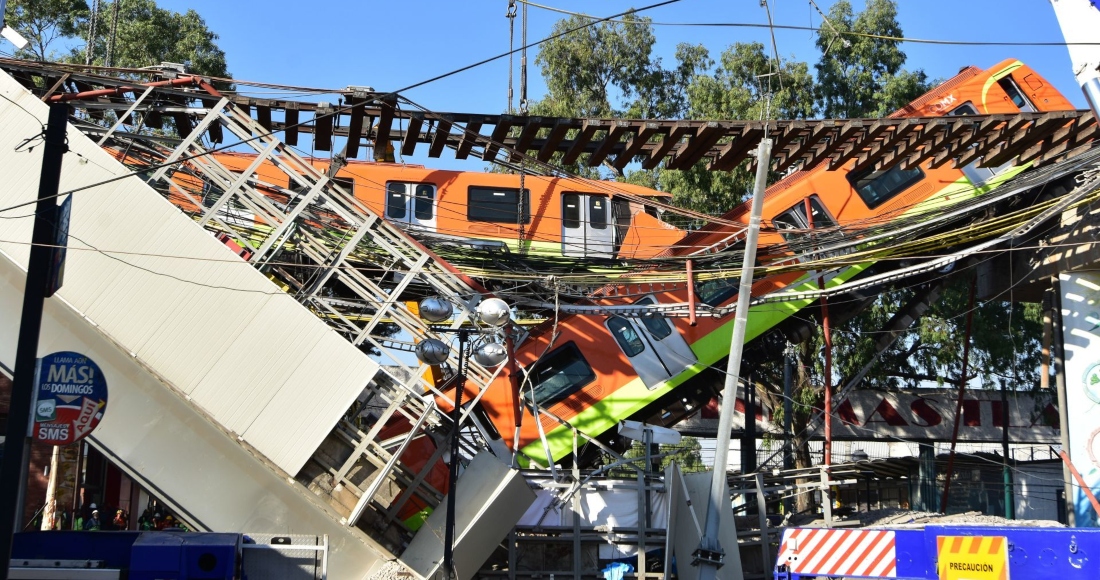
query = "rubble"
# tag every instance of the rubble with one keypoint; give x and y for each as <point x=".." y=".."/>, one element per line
<point x="898" y="518"/>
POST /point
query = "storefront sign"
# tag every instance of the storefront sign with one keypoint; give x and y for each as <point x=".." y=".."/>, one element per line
<point x="929" y="415"/>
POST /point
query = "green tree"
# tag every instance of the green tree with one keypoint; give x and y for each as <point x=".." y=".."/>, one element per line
<point x="687" y="454"/>
<point x="861" y="74"/>
<point x="44" y="22"/>
<point x="744" y="85"/>
<point x="1005" y="340"/>
<point x="608" y="70"/>
<point x="588" y="68"/>
<point x="148" y="35"/>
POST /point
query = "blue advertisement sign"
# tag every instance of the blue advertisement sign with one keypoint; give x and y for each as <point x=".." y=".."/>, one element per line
<point x="60" y="245"/>
<point x="71" y="397"/>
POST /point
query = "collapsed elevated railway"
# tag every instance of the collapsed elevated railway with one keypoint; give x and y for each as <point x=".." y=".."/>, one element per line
<point x="340" y="251"/>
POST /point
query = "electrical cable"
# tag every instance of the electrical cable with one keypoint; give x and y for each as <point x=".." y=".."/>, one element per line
<point x="838" y="32"/>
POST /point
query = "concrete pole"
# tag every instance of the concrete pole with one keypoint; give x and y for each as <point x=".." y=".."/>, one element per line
<point x="1063" y="409"/>
<point x="709" y="555"/>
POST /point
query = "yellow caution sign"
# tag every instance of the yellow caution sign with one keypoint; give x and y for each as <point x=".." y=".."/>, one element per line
<point x="973" y="557"/>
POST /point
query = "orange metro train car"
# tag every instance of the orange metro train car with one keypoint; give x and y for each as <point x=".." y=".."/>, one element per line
<point x="595" y="371"/>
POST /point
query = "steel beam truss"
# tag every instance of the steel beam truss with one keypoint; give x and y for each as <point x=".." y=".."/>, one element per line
<point x="369" y="119"/>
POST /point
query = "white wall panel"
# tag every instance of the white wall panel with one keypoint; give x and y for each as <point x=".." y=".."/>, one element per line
<point x="308" y="409"/>
<point x="180" y="301"/>
<point x="239" y="386"/>
<point x="166" y="445"/>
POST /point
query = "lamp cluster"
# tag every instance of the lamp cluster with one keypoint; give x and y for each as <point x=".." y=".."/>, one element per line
<point x="490" y="351"/>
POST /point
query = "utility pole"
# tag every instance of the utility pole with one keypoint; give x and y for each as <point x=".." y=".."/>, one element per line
<point x="13" y="472"/>
<point x="1063" y="404"/>
<point x="709" y="556"/>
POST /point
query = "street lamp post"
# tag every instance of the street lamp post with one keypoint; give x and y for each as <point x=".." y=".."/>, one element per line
<point x="496" y="314"/>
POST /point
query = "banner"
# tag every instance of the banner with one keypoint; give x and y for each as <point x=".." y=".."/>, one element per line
<point x="1081" y="332"/>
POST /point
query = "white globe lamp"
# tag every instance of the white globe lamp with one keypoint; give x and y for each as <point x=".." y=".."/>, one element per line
<point x="494" y="312"/>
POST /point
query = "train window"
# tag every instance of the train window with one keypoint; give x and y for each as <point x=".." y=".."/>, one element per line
<point x="500" y="205"/>
<point x="620" y="210"/>
<point x="794" y="227"/>
<point x="571" y="211"/>
<point x="347" y="183"/>
<point x="424" y="207"/>
<point x="395" y="200"/>
<point x="625" y="335"/>
<point x="557" y="376"/>
<point x="597" y="212"/>
<point x="795" y="218"/>
<point x="658" y="327"/>
<point x="966" y="108"/>
<point x="1016" y="95"/>
<point x="715" y="292"/>
<point x="878" y="187"/>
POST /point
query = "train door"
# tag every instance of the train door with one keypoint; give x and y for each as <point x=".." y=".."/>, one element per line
<point x="656" y="350"/>
<point x="979" y="176"/>
<point x="411" y="204"/>
<point x="586" y="227"/>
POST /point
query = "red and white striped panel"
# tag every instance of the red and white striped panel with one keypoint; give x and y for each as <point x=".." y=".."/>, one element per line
<point x="821" y="551"/>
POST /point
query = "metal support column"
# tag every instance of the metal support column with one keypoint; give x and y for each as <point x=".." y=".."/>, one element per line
<point x="962" y="389"/>
<point x="13" y="475"/>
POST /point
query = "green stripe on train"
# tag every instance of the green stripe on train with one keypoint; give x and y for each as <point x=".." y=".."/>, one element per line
<point x="634" y="396"/>
<point x="709" y="349"/>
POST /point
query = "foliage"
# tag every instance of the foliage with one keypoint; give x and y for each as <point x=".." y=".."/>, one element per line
<point x="687" y="455"/>
<point x="148" y="35"/>
<point x="742" y="86"/>
<point x="861" y="75"/>
<point x="585" y="69"/>
<point x="43" y="22"/>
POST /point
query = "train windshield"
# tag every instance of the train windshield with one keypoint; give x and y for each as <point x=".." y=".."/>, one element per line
<point x="1016" y="95"/>
<point x="659" y="327"/>
<point x="626" y="336"/>
<point x="557" y="376"/>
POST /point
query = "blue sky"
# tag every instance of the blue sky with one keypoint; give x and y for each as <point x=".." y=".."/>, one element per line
<point x="390" y="45"/>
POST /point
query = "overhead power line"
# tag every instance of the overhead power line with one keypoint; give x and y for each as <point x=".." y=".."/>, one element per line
<point x="817" y="29"/>
<point x="533" y="44"/>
